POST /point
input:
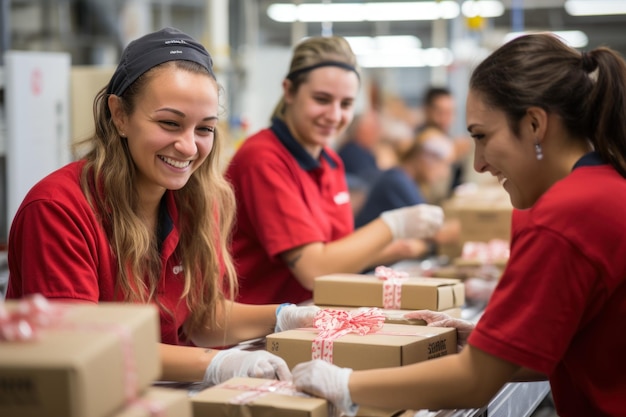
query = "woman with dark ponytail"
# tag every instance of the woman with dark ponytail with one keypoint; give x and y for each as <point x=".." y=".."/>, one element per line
<point x="550" y="124"/>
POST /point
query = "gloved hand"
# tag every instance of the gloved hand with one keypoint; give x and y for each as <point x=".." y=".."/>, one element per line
<point x="326" y="380"/>
<point x="420" y="221"/>
<point x="239" y="363"/>
<point x="291" y="316"/>
<point x="436" y="319"/>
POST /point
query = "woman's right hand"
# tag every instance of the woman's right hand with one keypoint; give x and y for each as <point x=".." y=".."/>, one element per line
<point x="437" y="319"/>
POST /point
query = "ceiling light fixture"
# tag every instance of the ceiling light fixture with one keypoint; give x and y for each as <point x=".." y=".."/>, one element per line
<point x="382" y="12"/>
<point x="431" y="57"/>
<point x="396" y="43"/>
<point x="595" y="7"/>
<point x="482" y="8"/>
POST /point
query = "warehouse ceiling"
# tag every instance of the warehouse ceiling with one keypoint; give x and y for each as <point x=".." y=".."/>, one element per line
<point x="536" y="15"/>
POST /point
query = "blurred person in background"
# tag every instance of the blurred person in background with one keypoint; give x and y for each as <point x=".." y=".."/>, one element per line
<point x="426" y="162"/>
<point x="145" y="214"/>
<point x="548" y="122"/>
<point x="294" y="217"/>
<point x="356" y="151"/>
<point x="439" y="113"/>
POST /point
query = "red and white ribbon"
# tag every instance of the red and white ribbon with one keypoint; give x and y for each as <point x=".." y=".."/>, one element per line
<point x="392" y="285"/>
<point x="252" y="392"/>
<point x="333" y="324"/>
<point x="24" y="322"/>
<point x="486" y="252"/>
<point x="34" y="313"/>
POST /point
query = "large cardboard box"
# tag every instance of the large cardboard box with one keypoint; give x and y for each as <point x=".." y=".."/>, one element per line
<point x="484" y="213"/>
<point x="161" y="402"/>
<point x="397" y="316"/>
<point x="393" y="345"/>
<point x="357" y="290"/>
<point x="87" y="365"/>
<point x="256" y="397"/>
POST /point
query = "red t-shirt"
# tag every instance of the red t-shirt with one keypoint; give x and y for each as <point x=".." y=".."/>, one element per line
<point x="285" y="199"/>
<point x="560" y="306"/>
<point x="57" y="248"/>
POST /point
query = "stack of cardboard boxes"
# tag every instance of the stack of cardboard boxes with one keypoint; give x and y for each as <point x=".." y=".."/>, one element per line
<point x="390" y="344"/>
<point x="484" y="213"/>
<point x="394" y="344"/>
<point x="89" y="361"/>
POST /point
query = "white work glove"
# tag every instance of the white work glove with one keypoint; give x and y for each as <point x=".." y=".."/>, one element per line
<point x="436" y="319"/>
<point x="326" y="380"/>
<point x="232" y="363"/>
<point x="420" y="221"/>
<point x="291" y="316"/>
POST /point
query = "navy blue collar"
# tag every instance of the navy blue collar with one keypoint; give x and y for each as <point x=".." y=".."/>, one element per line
<point x="589" y="159"/>
<point x="305" y="160"/>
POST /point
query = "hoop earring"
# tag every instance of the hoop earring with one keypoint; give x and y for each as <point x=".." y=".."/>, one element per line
<point x="538" y="151"/>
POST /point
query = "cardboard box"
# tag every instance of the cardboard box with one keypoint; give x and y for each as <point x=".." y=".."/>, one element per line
<point x="484" y="212"/>
<point x="165" y="402"/>
<point x="397" y="316"/>
<point x="393" y="345"/>
<point x="80" y="368"/>
<point x="250" y="397"/>
<point x="357" y="290"/>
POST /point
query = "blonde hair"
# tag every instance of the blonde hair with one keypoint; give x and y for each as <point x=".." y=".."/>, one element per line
<point x="206" y="208"/>
<point x="311" y="52"/>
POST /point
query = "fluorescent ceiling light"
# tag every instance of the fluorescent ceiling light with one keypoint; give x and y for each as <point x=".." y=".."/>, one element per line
<point x="595" y="7"/>
<point x="396" y="43"/>
<point x="431" y="57"/>
<point x="574" y="38"/>
<point x="359" y="12"/>
<point x="483" y="8"/>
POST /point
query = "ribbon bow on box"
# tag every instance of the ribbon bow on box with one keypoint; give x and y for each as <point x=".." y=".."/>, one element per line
<point x="24" y="323"/>
<point x="392" y="285"/>
<point x="34" y="313"/>
<point x="332" y="324"/>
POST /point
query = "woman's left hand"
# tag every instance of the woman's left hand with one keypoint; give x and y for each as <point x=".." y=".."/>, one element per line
<point x="326" y="380"/>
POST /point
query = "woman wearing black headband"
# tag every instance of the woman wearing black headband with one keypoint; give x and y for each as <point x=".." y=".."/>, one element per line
<point x="145" y="214"/>
<point x="548" y="122"/>
<point x="294" y="219"/>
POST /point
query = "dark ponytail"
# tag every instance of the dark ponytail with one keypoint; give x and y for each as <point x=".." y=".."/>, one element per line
<point x="606" y="106"/>
<point x="588" y="90"/>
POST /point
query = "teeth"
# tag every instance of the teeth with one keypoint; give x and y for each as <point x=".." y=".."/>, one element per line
<point x="502" y="180"/>
<point x="175" y="163"/>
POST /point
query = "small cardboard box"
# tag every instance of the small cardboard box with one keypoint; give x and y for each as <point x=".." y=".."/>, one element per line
<point x="161" y="402"/>
<point x="357" y="290"/>
<point x="465" y="271"/>
<point x="247" y="397"/>
<point x="393" y="345"/>
<point x="82" y="366"/>
<point x="397" y="316"/>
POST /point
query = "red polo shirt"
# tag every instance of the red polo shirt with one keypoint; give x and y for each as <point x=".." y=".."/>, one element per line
<point x="57" y="248"/>
<point x="560" y="305"/>
<point x="285" y="199"/>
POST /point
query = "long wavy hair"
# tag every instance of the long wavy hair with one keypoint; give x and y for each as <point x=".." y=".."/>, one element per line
<point x="206" y="208"/>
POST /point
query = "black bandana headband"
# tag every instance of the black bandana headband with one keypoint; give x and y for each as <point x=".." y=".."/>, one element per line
<point x="153" y="49"/>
